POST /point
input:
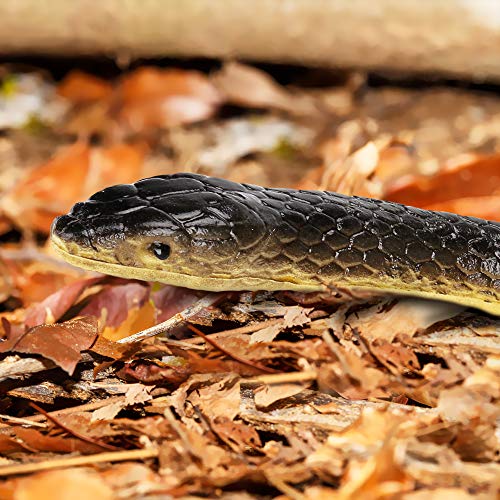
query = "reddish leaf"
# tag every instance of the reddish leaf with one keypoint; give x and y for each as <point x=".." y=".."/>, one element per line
<point x="484" y="207"/>
<point x="117" y="300"/>
<point x="60" y="343"/>
<point x="58" y="303"/>
<point x="80" y="87"/>
<point x="455" y="189"/>
<point x="163" y="98"/>
<point x="172" y="299"/>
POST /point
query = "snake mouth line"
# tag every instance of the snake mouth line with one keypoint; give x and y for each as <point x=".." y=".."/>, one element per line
<point x="178" y="279"/>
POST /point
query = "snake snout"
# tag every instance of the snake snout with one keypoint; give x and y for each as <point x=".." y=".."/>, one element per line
<point x="68" y="229"/>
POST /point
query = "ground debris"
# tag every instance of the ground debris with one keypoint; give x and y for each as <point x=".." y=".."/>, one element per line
<point x="340" y="394"/>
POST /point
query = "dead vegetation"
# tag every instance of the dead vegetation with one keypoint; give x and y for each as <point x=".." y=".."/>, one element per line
<point x="250" y="395"/>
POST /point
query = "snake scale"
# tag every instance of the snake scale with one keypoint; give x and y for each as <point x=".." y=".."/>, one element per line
<point x="213" y="234"/>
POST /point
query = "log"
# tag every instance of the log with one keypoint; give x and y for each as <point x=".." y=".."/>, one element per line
<point x="455" y="38"/>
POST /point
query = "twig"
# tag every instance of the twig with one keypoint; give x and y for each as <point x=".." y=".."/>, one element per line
<point x="167" y="326"/>
<point x="238" y="331"/>
<point x="71" y="431"/>
<point x="182" y="344"/>
<point x="20" y="421"/>
<point x="282" y="378"/>
<point x="243" y="361"/>
<point x="116" y="456"/>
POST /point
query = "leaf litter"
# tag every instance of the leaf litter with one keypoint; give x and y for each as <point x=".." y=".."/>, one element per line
<point x="250" y="395"/>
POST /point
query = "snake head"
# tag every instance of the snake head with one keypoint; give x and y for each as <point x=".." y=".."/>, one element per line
<point x="163" y="228"/>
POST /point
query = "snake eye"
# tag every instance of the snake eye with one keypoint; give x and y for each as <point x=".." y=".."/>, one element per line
<point x="161" y="250"/>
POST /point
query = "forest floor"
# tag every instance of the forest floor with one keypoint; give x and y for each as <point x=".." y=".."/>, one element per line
<point x="261" y="395"/>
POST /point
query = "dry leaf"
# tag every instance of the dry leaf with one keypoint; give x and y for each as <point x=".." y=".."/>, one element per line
<point x="469" y="188"/>
<point x="267" y="395"/>
<point x="79" y="87"/>
<point x="248" y="86"/>
<point x="77" y="484"/>
<point x="61" y="343"/>
<point x="405" y="317"/>
<point x="153" y="97"/>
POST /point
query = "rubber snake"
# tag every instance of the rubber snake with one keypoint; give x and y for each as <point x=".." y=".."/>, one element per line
<point x="212" y="234"/>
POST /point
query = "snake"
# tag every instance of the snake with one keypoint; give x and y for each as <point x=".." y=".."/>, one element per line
<point x="212" y="234"/>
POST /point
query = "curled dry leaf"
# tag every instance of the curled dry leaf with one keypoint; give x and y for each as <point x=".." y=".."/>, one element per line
<point x="153" y="97"/>
<point x="476" y="399"/>
<point x="267" y="395"/>
<point x="293" y="316"/>
<point x="36" y="441"/>
<point x="404" y="317"/>
<point x="62" y="343"/>
<point x="248" y="86"/>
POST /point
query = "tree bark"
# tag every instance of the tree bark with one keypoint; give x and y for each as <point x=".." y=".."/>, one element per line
<point x="446" y="37"/>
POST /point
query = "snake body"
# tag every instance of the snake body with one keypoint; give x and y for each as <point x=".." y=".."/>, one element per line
<point x="212" y="234"/>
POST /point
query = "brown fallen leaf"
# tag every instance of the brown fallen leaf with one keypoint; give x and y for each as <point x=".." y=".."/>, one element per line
<point x="221" y="399"/>
<point x="62" y="343"/>
<point x="31" y="278"/>
<point x="267" y="395"/>
<point x="153" y="97"/>
<point x="37" y="441"/>
<point x="77" y="484"/>
<point x="79" y="87"/>
<point x="248" y="86"/>
<point x="404" y="317"/>
<point x="293" y="316"/>
<point x="56" y="304"/>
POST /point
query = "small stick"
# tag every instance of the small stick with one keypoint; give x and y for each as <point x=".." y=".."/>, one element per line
<point x="243" y="361"/>
<point x="238" y="331"/>
<point x="113" y="456"/>
<point x="282" y="378"/>
<point x="167" y="326"/>
<point x="73" y="432"/>
<point x="20" y="421"/>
